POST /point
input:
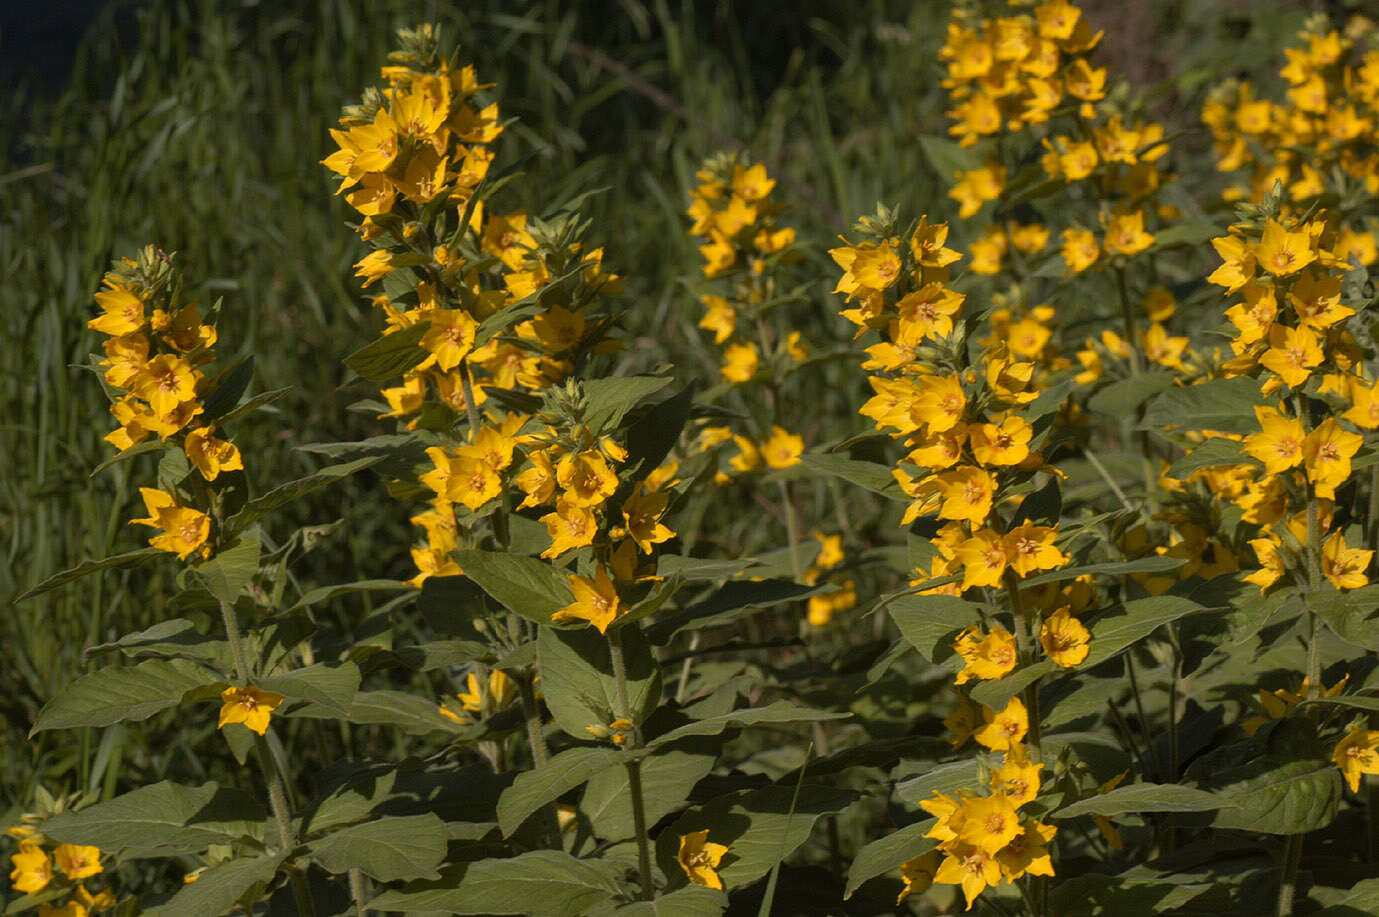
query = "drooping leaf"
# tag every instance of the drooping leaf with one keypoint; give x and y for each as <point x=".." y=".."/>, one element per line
<point x="329" y="685"/>
<point x="611" y="398"/>
<point x="1044" y="505"/>
<point x="1226" y="405"/>
<point x="112" y="695"/>
<point x="177" y="638"/>
<point x="408" y="712"/>
<point x="996" y="693"/>
<point x="1123" y="397"/>
<point x="326" y="593"/>
<point x="930" y="622"/>
<point x="882" y="856"/>
<point x="1156" y="564"/>
<point x="779" y="712"/>
<point x="162" y="820"/>
<point x="526" y="586"/>
<point x="563" y="772"/>
<point x="1146" y="797"/>
<point x="292" y="490"/>
<point x="578" y="683"/>
<point x="939" y="778"/>
<point x="87" y="567"/>
<point x="539" y="883"/>
<point x="391" y="355"/>
<point x="1278" y="797"/>
<point x="1113" y="634"/>
<point x="217" y="889"/>
<point x="725" y="604"/>
<point x="389" y="849"/>
<point x="758" y="827"/>
<point x="871" y="476"/>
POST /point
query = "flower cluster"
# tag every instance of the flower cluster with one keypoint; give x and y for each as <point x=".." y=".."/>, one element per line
<point x="1324" y="121"/>
<point x="155" y="351"/>
<point x="982" y="838"/>
<point x="40" y="865"/>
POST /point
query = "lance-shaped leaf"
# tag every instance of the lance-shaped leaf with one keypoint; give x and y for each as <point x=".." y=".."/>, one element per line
<point x="540" y="883"/>
<point x="326" y="593"/>
<point x="534" y="788"/>
<point x="408" y="712"/>
<point x="998" y="692"/>
<point x="939" y="778"/>
<point x="330" y="686"/>
<point x="116" y="694"/>
<point x="227" y="574"/>
<point x="1112" y="634"/>
<point x="882" y="856"/>
<point x="610" y="399"/>
<point x="526" y="586"/>
<point x="1226" y="405"/>
<point x="1121" y="398"/>
<point x="690" y="901"/>
<point x="757" y="826"/>
<point x="577" y="678"/>
<point x="217" y="889"/>
<point x="286" y="493"/>
<point x="779" y="713"/>
<point x="668" y="778"/>
<point x="165" y="819"/>
<point x="1146" y="797"/>
<point x="929" y="623"/>
<point x="871" y="476"/>
<point x="1211" y="454"/>
<point x="391" y="355"/>
<point x="1156" y="564"/>
<point x="177" y="638"/>
<point x="389" y="849"/>
<point x="726" y="604"/>
<point x="87" y="567"/>
<point x="1278" y="797"/>
<point x="1116" y="896"/>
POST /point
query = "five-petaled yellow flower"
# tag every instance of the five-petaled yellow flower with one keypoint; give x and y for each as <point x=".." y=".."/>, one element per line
<point x="699" y="858"/>
<point x="249" y="706"/>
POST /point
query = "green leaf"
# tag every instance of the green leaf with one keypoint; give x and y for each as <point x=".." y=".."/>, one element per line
<point x="1347" y="614"/>
<point x="540" y="883"/>
<point x="561" y="773"/>
<point x="1213" y="453"/>
<point x="88" y="567"/>
<point x="177" y="638"/>
<point x="218" y="888"/>
<point x="1112" y="634"/>
<point x="1123" y="397"/>
<point x="412" y="714"/>
<point x="942" y="778"/>
<point x="930" y="622"/>
<point x="145" y="448"/>
<point x="292" y="490"/>
<point x="391" y="355"/>
<point x="1044" y="505"/>
<point x="1273" y="797"/>
<point x="870" y="476"/>
<point x="1361" y="899"/>
<point x="610" y="399"/>
<point x="726" y="604"/>
<point x="697" y="569"/>
<point x="882" y="856"/>
<point x="230" y="387"/>
<point x="389" y="849"/>
<point x="668" y="777"/>
<point x="230" y="571"/>
<point x="329" y="685"/>
<point x="998" y="692"/>
<point x="577" y="678"/>
<point x="253" y="404"/>
<point x="1098" y="895"/>
<point x="526" y="586"/>
<point x="651" y="437"/>
<point x="1358" y="701"/>
<point x="778" y="713"/>
<point x="758" y="827"/>
<point x="690" y="901"/>
<point x="1145" y="797"/>
<point x="162" y="820"/>
<point x="115" y="694"/>
<point x="326" y="593"/>
<point x="1190" y="232"/>
<point x="1155" y="564"/>
<point x="947" y="157"/>
<point x="1226" y="405"/>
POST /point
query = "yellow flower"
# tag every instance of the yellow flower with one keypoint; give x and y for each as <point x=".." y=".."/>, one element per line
<point x="1006" y="444"/>
<point x="586" y="477"/>
<point x="1266" y="549"/>
<point x="471" y="481"/>
<point x="1239" y="263"/>
<point x="249" y="706"/>
<point x="927" y="244"/>
<point x="184" y="529"/>
<point x="641" y="513"/>
<point x="1031" y="547"/>
<point x="570" y="527"/>
<point x="165" y="382"/>
<point x="970" y="867"/>
<point x="918" y="874"/>
<point x="719" y="317"/>
<point x="876" y="268"/>
<point x="1017" y="778"/>
<point x="1292" y="355"/>
<point x="32" y="869"/>
<point x="1279" y="445"/>
<point x="1344" y="567"/>
<point x="124" y="312"/>
<point x="1104" y="824"/>
<point x="1125" y="234"/>
<point x="1080" y="249"/>
<point x="1027" y="853"/>
<point x="1354" y="755"/>
<point x="941" y="403"/>
<point x="450" y="337"/>
<point x="211" y="456"/>
<point x="1003" y="729"/>
<point x="596" y="601"/>
<point x="987" y="822"/>
<point x="1064" y="638"/>
<point x="1317" y="299"/>
<point x="992" y="656"/>
<point x="1281" y="252"/>
<point x="962" y="722"/>
<point x="78" y="862"/>
<point x="72" y="908"/>
<point x="1326" y="454"/>
<point x="740" y="362"/>
<point x="782" y="449"/>
<point x="699" y="858"/>
<point x="976" y="187"/>
<point x="538" y="481"/>
<point x="983" y="558"/>
<point x="967" y="493"/>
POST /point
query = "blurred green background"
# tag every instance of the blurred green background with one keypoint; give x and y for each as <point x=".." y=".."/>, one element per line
<point x="200" y="126"/>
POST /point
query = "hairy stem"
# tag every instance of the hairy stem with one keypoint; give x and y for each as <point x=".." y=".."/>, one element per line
<point x="634" y="766"/>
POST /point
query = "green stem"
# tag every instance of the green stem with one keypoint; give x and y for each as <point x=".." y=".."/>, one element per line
<point x="277" y="798"/>
<point x="471" y="409"/>
<point x="1292" y="860"/>
<point x="634" y="766"/>
<point x="1024" y="645"/>
<point x="536" y="740"/>
<point x="357" y="891"/>
<point x="791" y="537"/>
